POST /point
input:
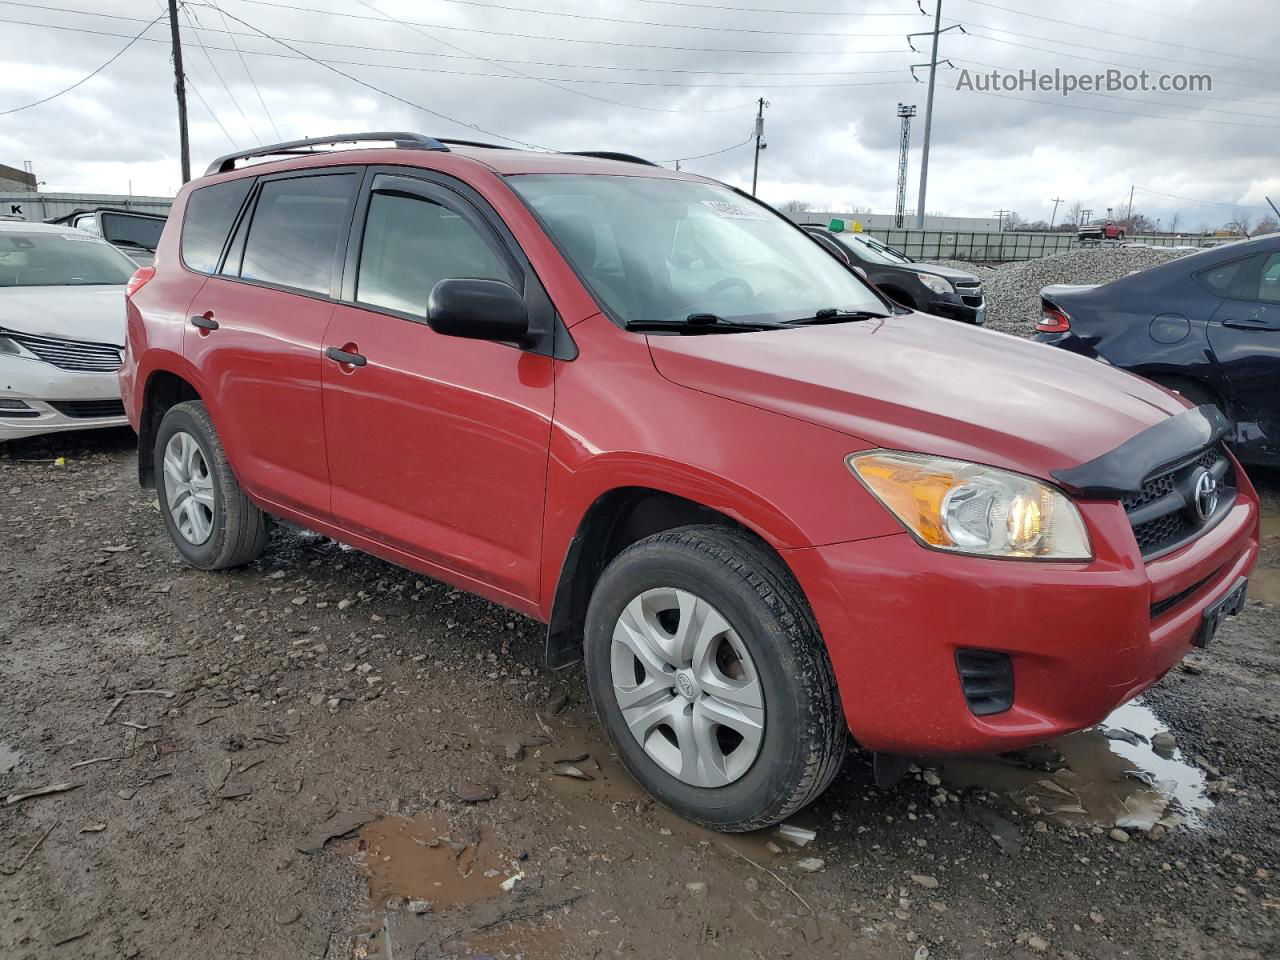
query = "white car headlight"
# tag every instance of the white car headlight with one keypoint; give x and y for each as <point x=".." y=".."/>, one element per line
<point x="936" y="284"/>
<point x="969" y="508"/>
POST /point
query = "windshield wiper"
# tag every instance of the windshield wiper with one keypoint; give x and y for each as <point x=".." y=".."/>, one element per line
<point x="832" y="315"/>
<point x="710" y="322"/>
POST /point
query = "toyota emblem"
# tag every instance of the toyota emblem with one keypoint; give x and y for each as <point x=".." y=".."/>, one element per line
<point x="1206" y="494"/>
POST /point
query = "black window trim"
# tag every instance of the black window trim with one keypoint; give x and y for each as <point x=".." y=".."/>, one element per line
<point x="249" y="209"/>
<point x="554" y="338"/>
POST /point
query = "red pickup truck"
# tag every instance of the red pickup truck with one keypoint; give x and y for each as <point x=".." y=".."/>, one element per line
<point x="1099" y="230"/>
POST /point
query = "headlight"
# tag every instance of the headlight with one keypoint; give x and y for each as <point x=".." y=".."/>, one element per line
<point x="968" y="508"/>
<point x="936" y="284"/>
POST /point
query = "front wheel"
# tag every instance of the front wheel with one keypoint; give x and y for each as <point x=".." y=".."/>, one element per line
<point x="709" y="674"/>
<point x="209" y="518"/>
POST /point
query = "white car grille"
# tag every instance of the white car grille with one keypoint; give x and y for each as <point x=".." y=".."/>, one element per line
<point x="75" y="355"/>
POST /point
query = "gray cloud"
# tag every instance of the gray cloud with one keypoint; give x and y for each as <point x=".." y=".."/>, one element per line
<point x="831" y="126"/>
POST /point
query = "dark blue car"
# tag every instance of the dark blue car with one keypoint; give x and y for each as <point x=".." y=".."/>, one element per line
<point x="1206" y="325"/>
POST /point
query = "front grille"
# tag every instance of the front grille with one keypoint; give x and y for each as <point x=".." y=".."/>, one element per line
<point x="1163" y="512"/>
<point x="986" y="677"/>
<point x="78" y="355"/>
<point x="87" y="409"/>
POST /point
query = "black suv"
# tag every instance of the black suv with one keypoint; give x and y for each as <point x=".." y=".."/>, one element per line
<point x="927" y="287"/>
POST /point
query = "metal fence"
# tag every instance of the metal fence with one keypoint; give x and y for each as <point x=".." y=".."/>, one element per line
<point x="979" y="247"/>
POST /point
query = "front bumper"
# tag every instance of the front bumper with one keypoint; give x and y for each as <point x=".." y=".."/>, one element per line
<point x="1081" y="637"/>
<point x="955" y="307"/>
<point x="40" y="385"/>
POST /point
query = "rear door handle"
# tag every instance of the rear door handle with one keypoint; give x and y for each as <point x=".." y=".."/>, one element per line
<point x="338" y="355"/>
<point x="204" y="323"/>
<point x="1249" y="325"/>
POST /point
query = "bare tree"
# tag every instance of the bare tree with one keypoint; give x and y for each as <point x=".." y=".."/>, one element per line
<point x="1173" y="222"/>
<point x="796" y="206"/>
<point x="1241" y="223"/>
<point x="1266" y="225"/>
<point x="1075" y="213"/>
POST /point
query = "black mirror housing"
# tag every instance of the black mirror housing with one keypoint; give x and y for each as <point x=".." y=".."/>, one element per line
<point x="478" y="310"/>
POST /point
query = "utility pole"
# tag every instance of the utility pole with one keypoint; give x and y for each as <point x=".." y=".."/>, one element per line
<point x="1128" y="217"/>
<point x="1085" y="215"/>
<point x="1053" y="219"/>
<point x="180" y="88"/>
<point x="900" y="211"/>
<point x="1000" y="218"/>
<point x="928" y="109"/>
<point x="760" y="144"/>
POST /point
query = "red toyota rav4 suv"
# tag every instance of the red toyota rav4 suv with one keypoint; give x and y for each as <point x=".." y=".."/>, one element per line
<point x="766" y="506"/>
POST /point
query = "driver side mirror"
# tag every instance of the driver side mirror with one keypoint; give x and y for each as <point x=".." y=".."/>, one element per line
<point x="478" y="310"/>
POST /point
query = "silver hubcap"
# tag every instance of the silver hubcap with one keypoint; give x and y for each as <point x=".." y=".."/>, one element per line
<point x="188" y="488"/>
<point x="687" y="687"/>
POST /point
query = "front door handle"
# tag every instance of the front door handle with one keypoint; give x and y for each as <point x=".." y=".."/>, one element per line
<point x="338" y="355"/>
<point x="204" y="322"/>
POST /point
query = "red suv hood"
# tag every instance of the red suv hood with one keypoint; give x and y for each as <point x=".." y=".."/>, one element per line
<point x="919" y="383"/>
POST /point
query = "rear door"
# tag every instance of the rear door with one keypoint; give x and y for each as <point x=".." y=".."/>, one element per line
<point x="256" y="330"/>
<point x="437" y="445"/>
<point x="1245" y="336"/>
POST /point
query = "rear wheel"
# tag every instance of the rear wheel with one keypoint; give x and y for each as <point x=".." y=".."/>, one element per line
<point x="709" y="674"/>
<point x="210" y="520"/>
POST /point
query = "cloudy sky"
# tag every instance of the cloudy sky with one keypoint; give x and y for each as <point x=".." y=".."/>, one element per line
<point x="674" y="79"/>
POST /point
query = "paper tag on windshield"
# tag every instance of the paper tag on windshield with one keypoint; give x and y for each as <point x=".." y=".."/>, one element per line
<point x="731" y="211"/>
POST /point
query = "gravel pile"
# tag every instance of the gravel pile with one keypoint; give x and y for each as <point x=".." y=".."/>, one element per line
<point x="1013" y="289"/>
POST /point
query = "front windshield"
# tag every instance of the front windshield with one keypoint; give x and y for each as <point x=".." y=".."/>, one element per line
<point x="874" y="252"/>
<point x="662" y="250"/>
<point x="60" y="259"/>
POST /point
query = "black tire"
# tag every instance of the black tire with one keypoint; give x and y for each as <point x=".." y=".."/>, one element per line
<point x="805" y="738"/>
<point x="239" y="529"/>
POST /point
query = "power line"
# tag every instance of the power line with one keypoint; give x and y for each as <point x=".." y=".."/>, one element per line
<point x="1207" y="203"/>
<point x="200" y="97"/>
<point x="388" y="93"/>
<point x="456" y="56"/>
<point x="452" y="56"/>
<point x="1114" y="33"/>
<point x="545" y="37"/>
<point x="248" y="73"/>
<point x="714" y="153"/>
<point x="485" y="4"/>
<point x="218" y="73"/>
<point x="547" y="83"/>
<point x="87" y="77"/>
<point x="790" y="13"/>
<point x="1095" y="48"/>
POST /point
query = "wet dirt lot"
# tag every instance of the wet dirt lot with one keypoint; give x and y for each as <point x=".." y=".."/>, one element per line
<point x="322" y="755"/>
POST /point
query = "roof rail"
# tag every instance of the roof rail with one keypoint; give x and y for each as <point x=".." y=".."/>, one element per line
<point x="610" y="155"/>
<point x="404" y="141"/>
<point x="472" y="143"/>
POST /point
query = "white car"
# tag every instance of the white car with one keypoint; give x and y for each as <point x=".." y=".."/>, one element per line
<point x="62" y="328"/>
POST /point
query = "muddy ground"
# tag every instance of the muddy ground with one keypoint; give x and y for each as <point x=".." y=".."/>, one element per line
<point x="214" y="729"/>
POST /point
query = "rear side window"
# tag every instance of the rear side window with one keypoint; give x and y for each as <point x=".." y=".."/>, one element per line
<point x="411" y="243"/>
<point x="1269" y="282"/>
<point x="210" y="213"/>
<point x="1221" y="280"/>
<point x="297" y="226"/>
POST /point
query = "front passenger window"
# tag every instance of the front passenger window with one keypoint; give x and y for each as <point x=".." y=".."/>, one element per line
<point x="1269" y="283"/>
<point x="411" y="243"/>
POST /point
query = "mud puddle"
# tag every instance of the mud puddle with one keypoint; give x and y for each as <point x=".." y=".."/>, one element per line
<point x="422" y="858"/>
<point x="1109" y="775"/>
<point x="1264" y="584"/>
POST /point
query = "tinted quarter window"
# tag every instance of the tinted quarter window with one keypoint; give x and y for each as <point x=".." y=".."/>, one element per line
<point x="411" y="243"/>
<point x="210" y="212"/>
<point x="1221" y="280"/>
<point x="141" y="232"/>
<point x="297" y="225"/>
<point x="1269" y="282"/>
